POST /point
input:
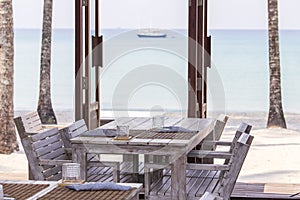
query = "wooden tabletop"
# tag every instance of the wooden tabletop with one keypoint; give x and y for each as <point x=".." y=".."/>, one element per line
<point x="143" y="135"/>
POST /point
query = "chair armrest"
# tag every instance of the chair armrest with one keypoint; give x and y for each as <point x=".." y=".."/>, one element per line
<point x="215" y="167"/>
<point x="59" y="126"/>
<point x="53" y="162"/>
<point x="209" y="154"/>
<point x="220" y="143"/>
<point x="103" y="164"/>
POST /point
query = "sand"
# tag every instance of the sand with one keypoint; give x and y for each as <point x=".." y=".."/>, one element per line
<point x="273" y="157"/>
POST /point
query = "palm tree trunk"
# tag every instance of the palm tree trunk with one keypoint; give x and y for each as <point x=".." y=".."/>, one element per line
<point x="8" y="140"/>
<point x="276" y="115"/>
<point x="45" y="109"/>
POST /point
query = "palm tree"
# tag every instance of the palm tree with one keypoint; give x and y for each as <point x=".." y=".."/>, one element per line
<point x="276" y="115"/>
<point x="8" y="140"/>
<point x="45" y="109"/>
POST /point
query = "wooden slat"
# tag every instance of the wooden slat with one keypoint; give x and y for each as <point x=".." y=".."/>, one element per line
<point x="49" y="148"/>
<point x="54" y="170"/>
<point x="54" y="154"/>
<point x="22" y="191"/>
<point x="77" y="132"/>
<point x="41" y="143"/>
<point x="208" y="167"/>
<point x="265" y="191"/>
<point x="77" y="124"/>
<point x="45" y="134"/>
<point x="209" y="154"/>
<point x="32" y="122"/>
<point x="62" y="193"/>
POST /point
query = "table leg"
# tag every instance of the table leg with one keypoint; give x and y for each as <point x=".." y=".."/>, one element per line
<point x="178" y="178"/>
<point x="135" y="167"/>
<point x="79" y="156"/>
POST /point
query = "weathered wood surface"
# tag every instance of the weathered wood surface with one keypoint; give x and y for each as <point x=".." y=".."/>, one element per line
<point x="243" y="128"/>
<point x="45" y="152"/>
<point x="174" y="149"/>
<point x="51" y="190"/>
<point x="265" y="191"/>
<point x="201" y="126"/>
<point x="213" y="136"/>
<point x="30" y="123"/>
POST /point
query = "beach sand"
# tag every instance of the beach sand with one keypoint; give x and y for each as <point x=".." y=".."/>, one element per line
<point x="271" y="159"/>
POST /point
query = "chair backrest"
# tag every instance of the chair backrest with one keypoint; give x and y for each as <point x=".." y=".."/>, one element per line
<point x="240" y="151"/>
<point x="46" y="145"/>
<point x="243" y="128"/>
<point x="73" y="130"/>
<point x="219" y="126"/>
<point x="28" y="123"/>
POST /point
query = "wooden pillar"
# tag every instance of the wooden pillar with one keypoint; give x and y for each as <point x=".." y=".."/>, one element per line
<point x="200" y="63"/>
<point x="192" y="58"/>
<point x="207" y="58"/>
<point x="78" y="59"/>
<point x="98" y="55"/>
<point x="87" y="88"/>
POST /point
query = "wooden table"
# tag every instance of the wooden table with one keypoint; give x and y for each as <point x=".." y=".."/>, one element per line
<point x="175" y="147"/>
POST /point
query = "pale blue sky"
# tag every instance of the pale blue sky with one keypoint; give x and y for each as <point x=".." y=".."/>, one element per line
<point x="223" y="14"/>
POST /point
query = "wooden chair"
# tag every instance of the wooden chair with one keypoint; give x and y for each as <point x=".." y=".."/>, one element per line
<point x="51" y="142"/>
<point x="31" y="123"/>
<point x="45" y="154"/>
<point x="215" y="135"/>
<point x="77" y="128"/>
<point x="208" y="154"/>
<point x="219" y="127"/>
<point x="217" y="179"/>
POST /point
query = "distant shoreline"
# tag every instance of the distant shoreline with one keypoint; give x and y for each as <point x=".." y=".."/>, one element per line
<point x="257" y="119"/>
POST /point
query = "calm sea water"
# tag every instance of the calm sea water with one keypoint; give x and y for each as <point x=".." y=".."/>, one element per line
<point x="135" y="70"/>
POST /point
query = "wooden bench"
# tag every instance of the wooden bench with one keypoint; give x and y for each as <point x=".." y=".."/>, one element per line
<point x="217" y="179"/>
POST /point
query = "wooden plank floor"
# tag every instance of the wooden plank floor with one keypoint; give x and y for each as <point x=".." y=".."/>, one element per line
<point x="265" y="191"/>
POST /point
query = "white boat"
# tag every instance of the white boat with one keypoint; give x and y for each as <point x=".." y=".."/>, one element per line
<point x="151" y="32"/>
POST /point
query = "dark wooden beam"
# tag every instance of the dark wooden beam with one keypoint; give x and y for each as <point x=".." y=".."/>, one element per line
<point x="78" y="59"/>
<point x="207" y="57"/>
<point x="87" y="39"/>
<point x="200" y="54"/>
<point x="192" y="58"/>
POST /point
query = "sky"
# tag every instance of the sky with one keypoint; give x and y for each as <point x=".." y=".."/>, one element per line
<point x="223" y="14"/>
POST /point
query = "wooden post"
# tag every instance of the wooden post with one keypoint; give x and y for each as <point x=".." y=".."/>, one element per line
<point x="99" y="48"/>
<point x="207" y="59"/>
<point x="87" y="88"/>
<point x="192" y="58"/>
<point x="200" y="55"/>
<point x="78" y="59"/>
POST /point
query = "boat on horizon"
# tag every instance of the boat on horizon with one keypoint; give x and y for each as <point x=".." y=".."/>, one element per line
<point x="151" y="32"/>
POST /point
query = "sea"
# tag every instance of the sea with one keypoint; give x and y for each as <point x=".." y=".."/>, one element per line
<point x="150" y="74"/>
